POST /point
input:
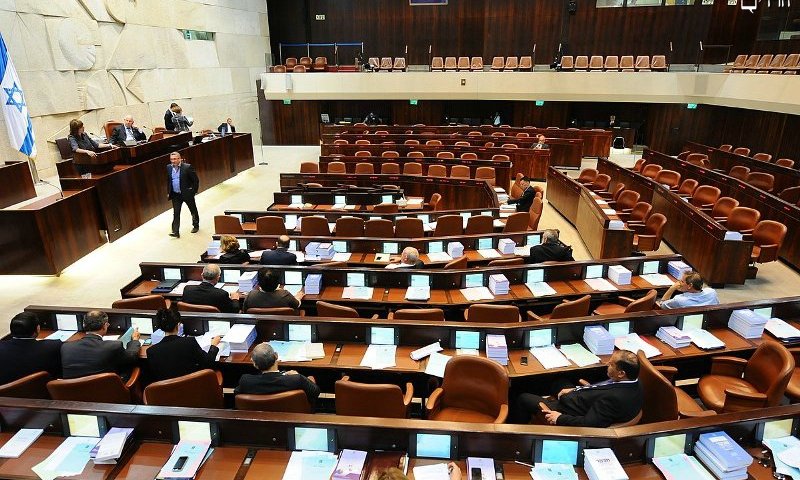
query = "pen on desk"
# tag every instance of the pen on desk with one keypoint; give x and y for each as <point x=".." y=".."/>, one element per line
<point x="523" y="463"/>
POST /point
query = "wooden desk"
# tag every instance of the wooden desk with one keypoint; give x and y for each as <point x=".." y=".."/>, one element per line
<point x="690" y="231"/>
<point x="223" y="464"/>
<point x="103" y="161"/>
<point x="580" y="206"/>
<point x="17" y="183"/>
<point x="145" y="151"/>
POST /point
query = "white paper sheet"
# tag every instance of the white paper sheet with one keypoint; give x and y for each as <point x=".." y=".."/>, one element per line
<point x="20" y="442"/>
<point x="550" y="357"/>
<point x="633" y="343"/>
<point x="600" y="284"/>
<point x="379" y="356"/>
<point x="476" y="294"/>
<point x="436" y="364"/>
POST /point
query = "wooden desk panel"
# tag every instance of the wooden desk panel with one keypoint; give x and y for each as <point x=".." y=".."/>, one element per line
<point x="144" y="151"/>
<point x="20" y="468"/>
<point x="268" y="464"/>
<point x="17" y="183"/>
<point x="351" y="355"/>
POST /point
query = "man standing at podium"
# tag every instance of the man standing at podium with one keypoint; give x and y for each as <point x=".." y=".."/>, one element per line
<point x="182" y="185"/>
<point x="126" y="133"/>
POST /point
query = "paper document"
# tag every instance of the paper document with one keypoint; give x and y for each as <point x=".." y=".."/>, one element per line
<point x="110" y="447"/>
<point x="418" y="293"/>
<point x="779" y="447"/>
<point x="633" y="343"/>
<point x="476" y="294"/>
<point x="523" y="251"/>
<point x="681" y="467"/>
<point x="293" y="289"/>
<point x="295" y="205"/>
<point x="485" y="465"/>
<point x="489" y="253"/>
<point x="379" y="356"/>
<point x="178" y="290"/>
<point x="423" y="352"/>
<point x="550" y="357"/>
<point x="67" y="460"/>
<point x="62" y="335"/>
<point x="436" y="364"/>
<point x="20" y="442"/>
<point x="553" y="471"/>
<point x="195" y="452"/>
<point x="439" y="257"/>
<point x="540" y="289"/>
<point x="609" y="211"/>
<point x="360" y="293"/>
<point x="579" y="355"/>
<point x="781" y="329"/>
<point x="657" y="279"/>
<point x="291" y="351"/>
<point x="703" y="339"/>
<point x="600" y="284"/>
<point x="438" y="471"/>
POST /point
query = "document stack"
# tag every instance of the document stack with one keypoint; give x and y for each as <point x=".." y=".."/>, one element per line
<point x="783" y="331"/>
<point x="496" y="349"/>
<point x="455" y="249"/>
<point x="619" y="275"/>
<point x="311" y="249"/>
<point x="313" y="284"/>
<point x="506" y="246"/>
<point x="598" y="340"/>
<point x="722" y="456"/>
<point x="602" y="464"/>
<point x="747" y="323"/>
<point x="325" y="251"/>
<point x="673" y="337"/>
<point x="677" y="268"/>
<point x="240" y="337"/>
<point x="109" y="449"/>
<point x="213" y="248"/>
<point x="248" y="281"/>
<point x="498" y="284"/>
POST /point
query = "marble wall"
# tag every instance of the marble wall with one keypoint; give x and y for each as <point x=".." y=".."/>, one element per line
<point x="98" y="60"/>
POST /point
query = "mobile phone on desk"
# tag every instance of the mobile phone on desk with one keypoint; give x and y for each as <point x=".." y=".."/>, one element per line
<point x="523" y="361"/>
<point x="499" y="474"/>
<point x="179" y="464"/>
<point x="475" y="474"/>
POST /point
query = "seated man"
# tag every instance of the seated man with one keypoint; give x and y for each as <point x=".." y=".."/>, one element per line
<point x="270" y="380"/>
<point x="551" y="249"/>
<point x="227" y="127"/>
<point x="91" y="354"/>
<point x="694" y="294"/>
<point x="281" y="255"/>
<point x="409" y="258"/>
<point x="176" y="355"/>
<point x="616" y="400"/>
<point x="208" y="294"/>
<point x="126" y="133"/>
<point x="540" y="145"/>
<point x="525" y="200"/>
<point x="22" y="354"/>
<point x="268" y="295"/>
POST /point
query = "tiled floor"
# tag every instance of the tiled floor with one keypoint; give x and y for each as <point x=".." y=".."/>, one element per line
<point x="95" y="280"/>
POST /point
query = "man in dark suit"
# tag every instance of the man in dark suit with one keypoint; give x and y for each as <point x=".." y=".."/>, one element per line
<point x="551" y="249"/>
<point x="91" y="354"/>
<point x="270" y="380"/>
<point x="227" y="127"/>
<point x="182" y="185"/>
<point x="23" y="355"/>
<point x="540" y="145"/>
<point x="207" y="294"/>
<point x="616" y="400"/>
<point x="281" y="255"/>
<point x="525" y="200"/>
<point x="126" y="132"/>
<point x="169" y="117"/>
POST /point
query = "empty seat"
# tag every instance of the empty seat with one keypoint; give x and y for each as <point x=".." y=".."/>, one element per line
<point x="299" y="69"/>
<point x="386" y="63"/>
<point x="415" y="154"/>
<point x="738" y="63"/>
<point x="785" y="162"/>
<point x="476" y="64"/>
<point x="29" y="386"/>
<point x="399" y="64"/>
<point x="102" y="387"/>
<point x="741" y="151"/>
<point x="469" y="156"/>
<point x="463" y="63"/>
<point x="535" y="213"/>
<point x="688" y="186"/>
<point x="306" y="62"/>
<point x="626" y="201"/>
<point x="147" y="302"/>
<point x="279" y="69"/>
<point x="325" y="309"/>
<point x="567" y="63"/>
<point x="309" y="167"/>
<point x="320" y="64"/>
<point x="362" y="141"/>
<point x="626" y="63"/>
<point x="670" y="178"/>
<point x="628" y="305"/>
<point x="648" y="236"/>
<point x="600" y="182"/>
<point x="768" y="238"/>
<point x="696" y="158"/>
<point x="596" y="63"/>
<point x="200" y="389"/>
<point x="474" y="389"/>
<point x="386" y="208"/>
<point x="449" y="226"/>
<point x="390" y="168"/>
<point x="226" y="224"/>
<point x="314" y="226"/>
<point x="378" y="228"/>
<point x="791" y="194"/>
<point x="372" y="400"/>
<point x="459" y="171"/>
<point x="517" y="222"/>
<point x="506" y="262"/>
<point x="363" y="153"/>
<point x="723" y="207"/>
<point x="512" y="63"/>
<point x="193" y="307"/>
<point x="763" y="64"/>
<point x="450" y="64"/>
<point x="479" y="224"/>
<point x="364" y="168"/>
<point x="705" y="196"/>
<point x="291" y="62"/>
<point x="434" y="142"/>
<point x="742" y="219"/>
<point x="497" y="64"/>
<point x="526" y="63"/>
<point x="437" y="171"/>
<point x="611" y="63"/>
<point x="433" y="314"/>
<point x="582" y="62"/>
<point x="637" y="167"/>
<point x="374" y="62"/>
<point x="639" y="213"/>
<point x="411" y="141"/>
<point x="659" y="63"/>
<point x="739" y="172"/>
<point x="764" y="157"/>
<point x="409" y="228"/>
<point x="459" y="263"/>
<point x="389" y="154"/>
<point x="445" y="155"/>
<point x="764" y="181"/>
<point x="412" y="168"/>
<point x="337" y="167"/>
<point x="790" y="66"/>
<point x="435" y="202"/>
<point x="726" y="147"/>
<point x="489" y="313"/>
<point x="349" y="227"/>
<point x="651" y="170"/>
<point x="587" y="176"/>
<point x="642" y="63"/>
<point x="566" y="309"/>
<point x="462" y="143"/>
<point x="485" y="173"/>
<point x="437" y="64"/>
<point x="340" y="141"/>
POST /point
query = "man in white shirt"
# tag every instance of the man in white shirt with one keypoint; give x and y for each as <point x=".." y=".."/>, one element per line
<point x="694" y="294"/>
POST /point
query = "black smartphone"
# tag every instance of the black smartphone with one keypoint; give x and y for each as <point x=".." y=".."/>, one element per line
<point x="523" y="361"/>
<point x="180" y="463"/>
<point x="499" y="473"/>
<point x="476" y="474"/>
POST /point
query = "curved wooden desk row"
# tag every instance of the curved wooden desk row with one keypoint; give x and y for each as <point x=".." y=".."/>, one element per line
<point x="255" y="444"/>
<point x="785" y="177"/>
<point x="344" y="338"/>
<point x="564" y="152"/>
<point x="532" y="163"/>
<point x="389" y="286"/>
<point x="502" y="168"/>
<point x="580" y="206"/>
<point x="596" y="142"/>
<point x="770" y="206"/>
<point x="689" y="230"/>
<point x="106" y="160"/>
<point x="362" y="201"/>
<point x="455" y="192"/>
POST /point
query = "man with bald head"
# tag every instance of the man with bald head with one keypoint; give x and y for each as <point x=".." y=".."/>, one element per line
<point x="409" y="258"/>
<point x="126" y="133"/>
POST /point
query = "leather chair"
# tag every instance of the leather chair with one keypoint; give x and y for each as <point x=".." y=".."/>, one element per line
<point x="463" y="64"/>
<point x="512" y="63"/>
<point x="469" y="156"/>
<point x="506" y="262"/>
<point x="315" y="226"/>
<point x="434" y="142"/>
<point x="651" y="170"/>
<point x="476" y="64"/>
<point x="309" y="167"/>
<point x="437" y="63"/>
<point x="485" y="173"/>
<point x="639" y="165"/>
<point x="446" y="155"/>
<point x="386" y="64"/>
<point x="412" y="168"/>
<point x="449" y="226"/>
<point x="399" y="64"/>
<point x="596" y="63"/>
<point x="611" y="63"/>
<point x="687" y="188"/>
<point x="460" y="143"/>
<point x="411" y="141"/>
<point x="500" y="158"/>
<point x="648" y="237"/>
<point x="29" y="386"/>
<point x="390" y="168"/>
<point x="705" y="196"/>
<point x="587" y="176"/>
<point x="459" y="263"/>
<point x="306" y="62"/>
<point x="642" y="63"/>
<point x="386" y="208"/>
<point x="567" y="63"/>
<point x="479" y="224"/>
<point x="497" y="64"/>
<point x="638" y="214"/>
<point x="516" y="190"/>
<point x="390" y="154"/>
<point x="660" y="401"/>
<point x="102" y="387"/>
<point x="613" y="193"/>
<point x="372" y="400"/>
<point x="726" y="147"/>
<point x="768" y="239"/>
<point x="581" y="63"/>
<point x="192" y="307"/>
<point x="792" y="389"/>
<point x="659" y="63"/>
<point x="764" y="157"/>
<point x="226" y="224"/>
<point x="320" y="64"/>
<point x="739" y="172"/>
<point x="275" y="311"/>
<point x="743" y="219"/>
<point x="201" y="389"/>
<point x="474" y="389"/>
<point x="600" y="183"/>
<point x="433" y="314"/>
<point x="735" y="384"/>
<point x="670" y="178"/>
<point x="439" y="171"/>
<point x="626" y="63"/>
<point x="64" y="148"/>
<point x="349" y="227"/>
<point x="147" y="302"/>
<point x="360" y="153"/>
<point x="474" y="133"/>
<point x="459" y="171"/>
<point x="109" y="127"/>
<point x="337" y="167"/>
<point x="741" y="151"/>
<point x="450" y="64"/>
<point x="292" y="401"/>
<point x="535" y="213"/>
<point x="299" y="69"/>
<point x="785" y="162"/>
<point x="696" y="158"/>
<point x="517" y="222"/>
<point x="409" y="228"/>
<point x="279" y="69"/>
<point x="626" y="201"/>
<point x="270" y="225"/>
<point x="628" y="305"/>
<point x="365" y="168"/>
<point x="435" y="203"/>
<point x="764" y="181"/>
<point x="567" y="309"/>
<point x="379" y="228"/>
<point x="340" y="141"/>
<point x="325" y="309"/>
<point x="790" y="195"/>
<point x="490" y="313"/>
<point x="723" y="207"/>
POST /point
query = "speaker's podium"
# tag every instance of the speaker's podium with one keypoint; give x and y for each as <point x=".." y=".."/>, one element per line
<point x="104" y="162"/>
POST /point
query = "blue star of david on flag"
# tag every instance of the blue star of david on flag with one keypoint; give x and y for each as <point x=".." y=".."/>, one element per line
<point x="14" y="93"/>
<point x="14" y="107"/>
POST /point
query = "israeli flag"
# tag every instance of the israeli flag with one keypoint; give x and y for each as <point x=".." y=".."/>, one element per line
<point x="15" y="109"/>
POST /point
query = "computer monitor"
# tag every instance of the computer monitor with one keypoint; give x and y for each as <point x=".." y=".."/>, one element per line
<point x="417" y="280"/>
<point x="143" y="324"/>
<point x="297" y="199"/>
<point x="473" y="280"/>
<point x="392" y="248"/>
<point x="650" y="267"/>
<point x="593" y="271"/>
<point x="468" y="339"/>
<point x="386" y="199"/>
<point x="435" y="247"/>
<point x="84" y="425"/>
<point x="340" y="199"/>
<point x="183" y="430"/>
<point x="231" y="275"/>
<point x="356" y="280"/>
<point x="557" y="451"/>
<point x="172" y="273"/>
<point x="425" y="218"/>
<point x="540" y="337"/>
<point x="619" y="329"/>
<point x="484" y="243"/>
<point x="667" y="445"/>
<point x="433" y="445"/>
<point x="340" y="246"/>
<point x="534" y="239"/>
<point x="243" y="243"/>
<point x="300" y="332"/>
<point x="691" y="321"/>
<point x="312" y="438"/>
<point x="218" y="327"/>
<point x="534" y="275"/>
<point x="383" y="336"/>
<point x="292" y="277"/>
<point x="67" y="321"/>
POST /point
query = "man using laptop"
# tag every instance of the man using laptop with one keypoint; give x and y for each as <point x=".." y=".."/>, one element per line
<point x="91" y="354"/>
<point x="126" y="134"/>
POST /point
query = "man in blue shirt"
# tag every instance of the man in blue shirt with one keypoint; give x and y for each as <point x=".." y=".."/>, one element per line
<point x="182" y="185"/>
<point x="694" y="294"/>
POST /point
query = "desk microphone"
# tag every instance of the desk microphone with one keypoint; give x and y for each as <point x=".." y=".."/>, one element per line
<point x="60" y="191"/>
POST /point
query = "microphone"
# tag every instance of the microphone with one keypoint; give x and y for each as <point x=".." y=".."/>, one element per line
<point x="60" y="191"/>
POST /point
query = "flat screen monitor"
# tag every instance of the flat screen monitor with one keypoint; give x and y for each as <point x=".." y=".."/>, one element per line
<point x="218" y="327"/>
<point x="231" y="276"/>
<point x="356" y="280"/>
<point x="292" y="277"/>
<point x="143" y="324"/>
<point x="650" y="267"/>
<point x="183" y="430"/>
<point x="297" y="199"/>
<point x="312" y="438"/>
<point x="386" y="199"/>
<point x="84" y="425"/>
<point x="417" y="280"/>
<point x="534" y="239"/>
<point x="340" y="199"/>
<point x="67" y="321"/>
<point x="667" y="445"/>
<point x="594" y="271"/>
<point x="467" y="339"/>
<point x="619" y="329"/>
<point x="433" y="445"/>
<point x="392" y="248"/>
<point x="535" y="275"/>
<point x="692" y="321"/>
<point x="484" y="243"/>
<point x="541" y="337"/>
<point x="339" y="246"/>
<point x="435" y="247"/>
<point x="172" y="274"/>
<point x="557" y="451"/>
<point x="382" y="336"/>
<point x="300" y="332"/>
<point x="425" y="218"/>
<point x="473" y="280"/>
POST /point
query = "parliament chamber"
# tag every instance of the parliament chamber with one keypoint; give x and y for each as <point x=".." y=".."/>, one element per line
<point x="437" y="236"/>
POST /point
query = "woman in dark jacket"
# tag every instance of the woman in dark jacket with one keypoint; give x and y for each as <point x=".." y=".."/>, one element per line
<point x="230" y="251"/>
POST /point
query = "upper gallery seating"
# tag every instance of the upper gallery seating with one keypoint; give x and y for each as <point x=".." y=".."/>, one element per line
<point x="613" y="63"/>
<point x="780" y="63"/>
